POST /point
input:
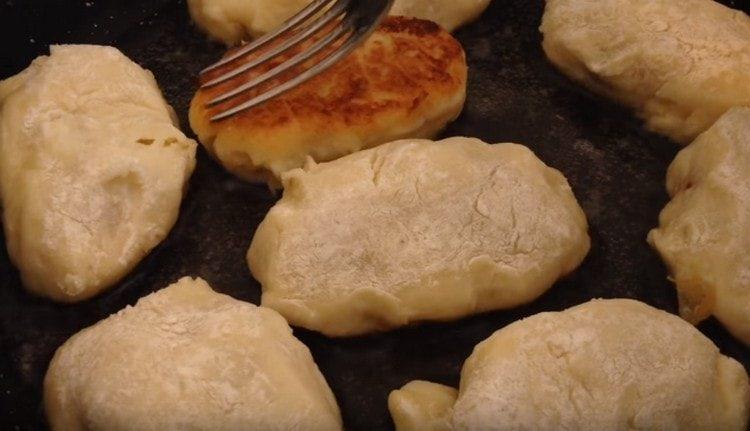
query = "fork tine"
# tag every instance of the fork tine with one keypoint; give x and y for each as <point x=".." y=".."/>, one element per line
<point x="355" y="38"/>
<point x="294" y="61"/>
<point x="337" y="10"/>
<point x="292" y="22"/>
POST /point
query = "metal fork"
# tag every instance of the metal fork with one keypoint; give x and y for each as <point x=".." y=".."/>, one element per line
<point x="347" y="22"/>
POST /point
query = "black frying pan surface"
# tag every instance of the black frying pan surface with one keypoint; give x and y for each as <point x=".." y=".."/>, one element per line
<point x="617" y="171"/>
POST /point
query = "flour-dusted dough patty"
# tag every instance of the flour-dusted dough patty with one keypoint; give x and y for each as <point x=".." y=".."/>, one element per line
<point x="704" y="232"/>
<point x="408" y="80"/>
<point x="92" y="169"/>
<point x="416" y="230"/>
<point x="605" y="365"/>
<point x="232" y="21"/>
<point x="679" y="64"/>
<point x="450" y="14"/>
<point x="188" y="358"/>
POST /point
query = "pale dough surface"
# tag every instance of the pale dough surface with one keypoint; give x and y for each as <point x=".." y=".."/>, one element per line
<point x="92" y="169"/>
<point x="188" y="358"/>
<point x="416" y="230"/>
<point x="232" y="21"/>
<point x="704" y="232"/>
<point x="450" y="14"/>
<point x="679" y="64"/>
<point x="605" y="365"/>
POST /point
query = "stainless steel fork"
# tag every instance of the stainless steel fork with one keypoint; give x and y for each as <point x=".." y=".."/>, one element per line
<point x="346" y="22"/>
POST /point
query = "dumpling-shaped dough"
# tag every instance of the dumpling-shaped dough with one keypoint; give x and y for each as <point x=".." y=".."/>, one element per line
<point x="704" y="232"/>
<point x="408" y="80"/>
<point x="679" y="64"/>
<point x="450" y="14"/>
<point x="605" y="365"/>
<point x="232" y="21"/>
<point x="92" y="169"/>
<point x="188" y="358"/>
<point x="416" y="230"/>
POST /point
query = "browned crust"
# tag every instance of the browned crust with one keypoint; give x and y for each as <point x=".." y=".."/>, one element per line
<point x="407" y="66"/>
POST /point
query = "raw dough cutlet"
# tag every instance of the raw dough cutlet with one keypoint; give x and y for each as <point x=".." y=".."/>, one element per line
<point x="704" y="232"/>
<point x="408" y="80"/>
<point x="606" y="365"/>
<point x="680" y="64"/>
<point x="188" y="358"/>
<point x="450" y="14"/>
<point x="92" y="169"/>
<point x="416" y="230"/>
<point x="232" y="21"/>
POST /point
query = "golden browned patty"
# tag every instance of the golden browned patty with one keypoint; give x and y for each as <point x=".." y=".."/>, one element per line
<point x="408" y="80"/>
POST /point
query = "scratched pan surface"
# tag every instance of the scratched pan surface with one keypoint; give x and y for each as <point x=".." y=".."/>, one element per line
<point x="616" y="169"/>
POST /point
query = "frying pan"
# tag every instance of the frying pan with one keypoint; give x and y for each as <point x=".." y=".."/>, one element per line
<point x="617" y="171"/>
